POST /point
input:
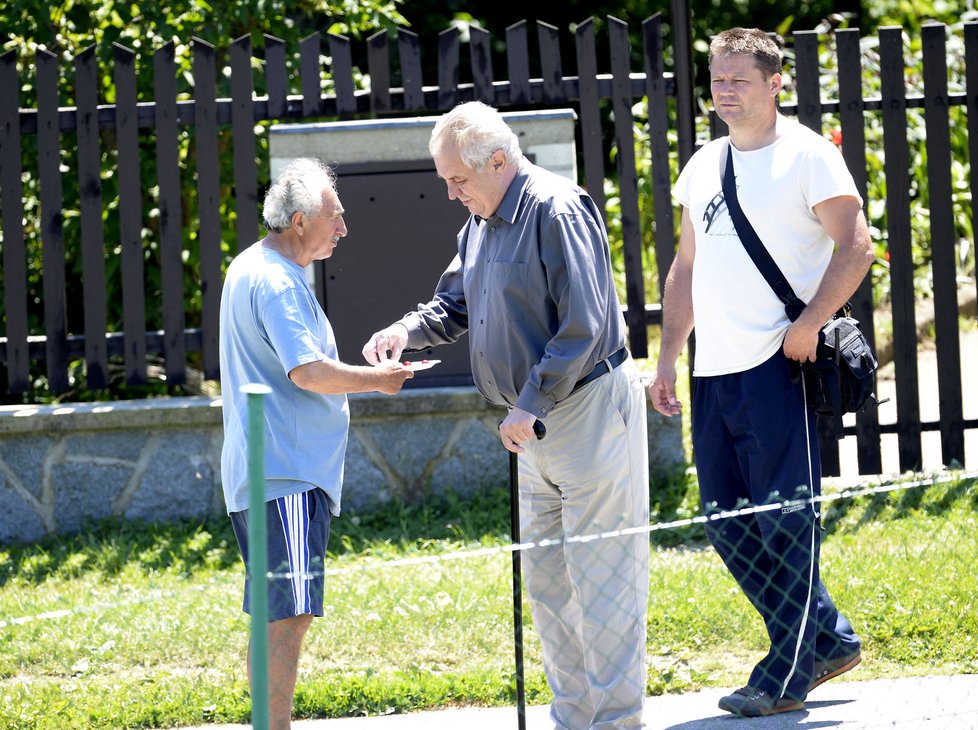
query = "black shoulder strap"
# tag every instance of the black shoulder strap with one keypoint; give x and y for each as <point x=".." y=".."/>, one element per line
<point x="755" y="249"/>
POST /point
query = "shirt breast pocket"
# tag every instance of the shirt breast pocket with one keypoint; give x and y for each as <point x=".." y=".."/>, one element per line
<point x="508" y="284"/>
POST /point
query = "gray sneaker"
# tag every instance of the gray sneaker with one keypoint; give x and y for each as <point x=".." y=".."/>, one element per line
<point x="826" y="670"/>
<point x="753" y="702"/>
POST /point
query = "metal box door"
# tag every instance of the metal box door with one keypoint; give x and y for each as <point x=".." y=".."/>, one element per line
<point x="402" y="236"/>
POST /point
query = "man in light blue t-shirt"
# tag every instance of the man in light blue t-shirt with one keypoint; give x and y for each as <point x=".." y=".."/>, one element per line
<point x="274" y="332"/>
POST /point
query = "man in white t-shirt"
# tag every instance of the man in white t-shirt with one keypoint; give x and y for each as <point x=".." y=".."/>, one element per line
<point x="753" y="434"/>
<point x="273" y="332"/>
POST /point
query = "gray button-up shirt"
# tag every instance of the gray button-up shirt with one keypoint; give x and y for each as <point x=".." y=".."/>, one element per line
<point x="533" y="287"/>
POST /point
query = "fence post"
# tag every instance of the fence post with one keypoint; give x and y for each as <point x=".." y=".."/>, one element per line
<point x="682" y="42"/>
<point x="16" y="363"/>
<point x="52" y="221"/>
<point x="130" y="215"/>
<point x="942" y="241"/>
<point x="853" y="129"/>
<point x="243" y="136"/>
<point x="893" y="93"/>
<point x="258" y="554"/>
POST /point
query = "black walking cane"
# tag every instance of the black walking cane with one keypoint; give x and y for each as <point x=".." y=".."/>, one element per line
<point x="514" y="516"/>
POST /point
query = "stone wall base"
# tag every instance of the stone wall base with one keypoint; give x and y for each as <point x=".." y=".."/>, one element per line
<point x="64" y="466"/>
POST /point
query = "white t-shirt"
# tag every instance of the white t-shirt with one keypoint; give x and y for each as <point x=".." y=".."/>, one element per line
<point x="270" y="324"/>
<point x="739" y="320"/>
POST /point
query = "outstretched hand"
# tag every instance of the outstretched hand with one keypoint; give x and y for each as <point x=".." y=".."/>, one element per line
<point x="390" y="340"/>
<point x="392" y="376"/>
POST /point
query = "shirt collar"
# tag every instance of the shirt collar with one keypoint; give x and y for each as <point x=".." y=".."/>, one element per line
<point x="509" y="207"/>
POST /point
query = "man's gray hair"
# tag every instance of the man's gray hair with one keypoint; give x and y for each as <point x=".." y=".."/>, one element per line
<point x="298" y="189"/>
<point x="476" y="130"/>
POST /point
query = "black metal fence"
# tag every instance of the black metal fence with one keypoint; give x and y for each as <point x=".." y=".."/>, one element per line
<point x="76" y="134"/>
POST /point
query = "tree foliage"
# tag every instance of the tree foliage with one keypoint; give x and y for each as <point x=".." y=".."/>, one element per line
<point x="66" y="29"/>
<point x="73" y="25"/>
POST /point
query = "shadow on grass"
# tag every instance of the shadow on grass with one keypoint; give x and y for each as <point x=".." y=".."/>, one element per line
<point x="953" y="494"/>
<point x="676" y="499"/>
<point x="855" y="512"/>
<point x="485" y="516"/>
<point x="933" y="498"/>
<point x="109" y="546"/>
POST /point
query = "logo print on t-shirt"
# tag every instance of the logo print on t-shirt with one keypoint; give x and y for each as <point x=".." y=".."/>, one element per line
<point x="712" y="208"/>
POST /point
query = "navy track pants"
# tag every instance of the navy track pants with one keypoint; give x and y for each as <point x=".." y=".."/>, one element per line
<point x="755" y="444"/>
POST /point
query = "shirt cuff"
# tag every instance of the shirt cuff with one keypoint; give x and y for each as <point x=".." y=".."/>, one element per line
<point x="535" y="402"/>
<point x="412" y="323"/>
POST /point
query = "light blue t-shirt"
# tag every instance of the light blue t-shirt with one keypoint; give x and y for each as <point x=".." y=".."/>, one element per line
<point x="270" y="324"/>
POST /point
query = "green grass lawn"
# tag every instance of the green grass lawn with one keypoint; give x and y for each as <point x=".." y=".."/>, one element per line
<point x="139" y="626"/>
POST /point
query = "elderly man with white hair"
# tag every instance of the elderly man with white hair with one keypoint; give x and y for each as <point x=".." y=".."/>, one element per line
<point x="274" y="332"/>
<point x="532" y="285"/>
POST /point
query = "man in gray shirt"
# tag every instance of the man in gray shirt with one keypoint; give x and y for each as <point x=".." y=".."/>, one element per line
<point x="532" y="285"/>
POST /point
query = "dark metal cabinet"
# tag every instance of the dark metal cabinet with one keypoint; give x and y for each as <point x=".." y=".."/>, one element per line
<point x="402" y="236"/>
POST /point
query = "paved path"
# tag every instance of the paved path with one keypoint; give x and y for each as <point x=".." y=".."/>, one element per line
<point x="930" y="703"/>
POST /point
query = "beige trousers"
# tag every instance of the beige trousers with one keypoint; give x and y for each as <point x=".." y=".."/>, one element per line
<point x="589" y="598"/>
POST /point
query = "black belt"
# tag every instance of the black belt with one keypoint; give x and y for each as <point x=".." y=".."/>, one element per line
<point x="601" y="368"/>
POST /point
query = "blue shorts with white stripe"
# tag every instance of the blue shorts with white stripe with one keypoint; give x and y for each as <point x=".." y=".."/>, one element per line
<point x="298" y="532"/>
